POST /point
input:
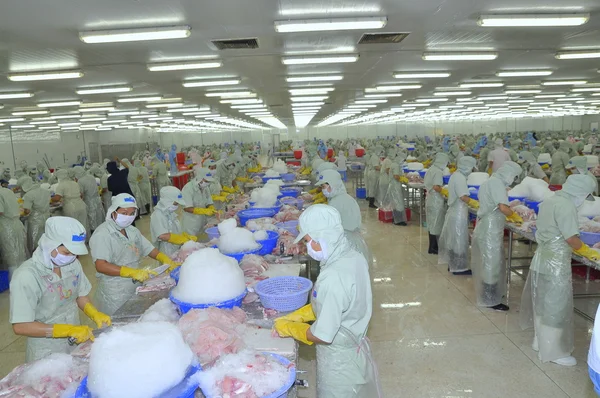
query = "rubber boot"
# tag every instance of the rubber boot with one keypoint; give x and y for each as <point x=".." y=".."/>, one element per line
<point x="434" y="248"/>
<point x="372" y="203"/>
<point x="148" y="208"/>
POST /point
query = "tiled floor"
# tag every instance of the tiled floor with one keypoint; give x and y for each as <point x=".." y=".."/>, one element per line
<point x="439" y="344"/>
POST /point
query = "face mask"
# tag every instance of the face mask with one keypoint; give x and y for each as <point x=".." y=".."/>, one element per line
<point x="173" y="208"/>
<point x="317" y="255"/>
<point x="327" y="193"/>
<point x="62" y="259"/>
<point x="124" y="221"/>
<point x="203" y="184"/>
<point x="578" y="201"/>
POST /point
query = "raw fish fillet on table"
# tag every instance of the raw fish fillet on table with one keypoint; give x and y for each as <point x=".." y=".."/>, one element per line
<point x="290" y="249"/>
<point x="253" y="265"/>
<point x="287" y="213"/>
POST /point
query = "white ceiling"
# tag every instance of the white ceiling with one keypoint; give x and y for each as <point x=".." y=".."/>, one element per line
<point x="43" y="35"/>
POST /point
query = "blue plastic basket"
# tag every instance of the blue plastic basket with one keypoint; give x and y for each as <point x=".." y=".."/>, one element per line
<point x="290" y="226"/>
<point x="281" y="392"/>
<point x="474" y="195"/>
<point x="4" y="282"/>
<point x="535" y="206"/>
<point x="299" y="203"/>
<point x="422" y="173"/>
<point x="185" y="389"/>
<point x="288" y="177"/>
<point x="293" y="192"/>
<point x="184" y="307"/>
<point x="474" y="186"/>
<point x="175" y="274"/>
<point x="250" y="214"/>
<point x="268" y="244"/>
<point x="519" y="198"/>
<point x="284" y="293"/>
<point x="213" y="233"/>
<point x="239" y="256"/>
<point x="265" y="179"/>
<point x="589" y="238"/>
<point x="361" y="193"/>
<point x="446" y="179"/>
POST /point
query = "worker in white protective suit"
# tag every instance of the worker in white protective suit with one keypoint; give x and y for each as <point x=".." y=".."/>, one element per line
<point x="531" y="168"/>
<point x="144" y="183"/>
<point x="341" y="308"/>
<point x="89" y="192"/>
<point x="117" y="249"/>
<point x="165" y="228"/>
<point x="36" y="206"/>
<point x="454" y="240"/>
<point x="560" y="161"/>
<point x="435" y="206"/>
<point x="487" y="255"/>
<point x="497" y="157"/>
<point x="48" y="290"/>
<point x="372" y="179"/>
<point x="216" y="190"/>
<point x="69" y="192"/>
<point x="198" y="202"/>
<point x="106" y="194"/>
<point x="384" y="178"/>
<point x="134" y="178"/>
<point x="160" y="173"/>
<point x="578" y="165"/>
<point x="395" y="194"/>
<point x="547" y="300"/>
<point x="334" y="190"/>
<point x="224" y="174"/>
<point x="317" y="161"/>
<point x="13" y="241"/>
<point x="341" y="165"/>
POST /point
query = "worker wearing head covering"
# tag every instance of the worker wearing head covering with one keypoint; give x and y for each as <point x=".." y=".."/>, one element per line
<point x="6" y="174"/>
<point x="160" y="173"/>
<point x="216" y="190"/>
<point x="133" y="179"/>
<point x="13" y="248"/>
<point x="435" y="207"/>
<point x="531" y="168"/>
<point x="69" y="192"/>
<point x="547" y="301"/>
<point x="144" y="184"/>
<point x="549" y="147"/>
<point x="89" y="192"/>
<point x="487" y="256"/>
<point x="198" y="202"/>
<point x="395" y="194"/>
<point x="454" y="240"/>
<point x="560" y="160"/>
<point x="484" y="153"/>
<point x="578" y="165"/>
<point x="36" y="206"/>
<point x="117" y="249"/>
<point x="173" y="159"/>
<point x="225" y="175"/>
<point x="165" y="228"/>
<point x="48" y="290"/>
<point x="105" y="192"/>
<point x="335" y="191"/>
<point x="147" y="160"/>
<point x="341" y="309"/>
<point x="498" y="156"/>
<point x="384" y="178"/>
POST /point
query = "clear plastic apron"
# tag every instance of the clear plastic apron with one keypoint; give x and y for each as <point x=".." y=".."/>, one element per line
<point x="435" y="209"/>
<point x="454" y="241"/>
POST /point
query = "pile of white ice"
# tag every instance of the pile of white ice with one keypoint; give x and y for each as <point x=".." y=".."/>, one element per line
<point x="233" y="239"/>
<point x="533" y="189"/>
<point x="207" y="276"/>
<point x="267" y="195"/>
<point x="138" y="360"/>
<point x="477" y="178"/>
<point x="261" y="235"/>
<point x="416" y="166"/>
<point x="271" y="173"/>
<point x="446" y="172"/>
<point x="592" y="161"/>
<point x="280" y="167"/>
<point x="162" y="311"/>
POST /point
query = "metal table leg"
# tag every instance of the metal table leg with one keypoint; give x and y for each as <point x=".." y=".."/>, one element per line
<point x="509" y="263"/>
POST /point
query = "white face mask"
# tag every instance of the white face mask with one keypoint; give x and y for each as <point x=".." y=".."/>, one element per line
<point x="579" y="201"/>
<point x="173" y="208"/>
<point x="327" y="193"/>
<point x="60" y="260"/>
<point x="203" y="184"/>
<point x="124" y="221"/>
<point x="317" y="255"/>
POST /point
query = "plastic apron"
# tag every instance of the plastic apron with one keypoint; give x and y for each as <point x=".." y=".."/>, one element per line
<point x="372" y="182"/>
<point x="35" y="225"/>
<point x="547" y="301"/>
<point x="174" y="227"/>
<point x="106" y="196"/>
<point x="76" y="208"/>
<point x="358" y="243"/>
<point x="13" y="238"/>
<point x="114" y="291"/>
<point x="435" y="211"/>
<point x="395" y="200"/>
<point x="487" y="259"/>
<point x="382" y="189"/>
<point x="454" y="241"/>
<point x="57" y="305"/>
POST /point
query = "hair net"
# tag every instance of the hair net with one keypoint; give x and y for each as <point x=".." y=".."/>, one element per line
<point x="565" y="146"/>
<point x="466" y="164"/>
<point x="580" y="186"/>
<point x="78" y="172"/>
<point x="528" y="157"/>
<point x="203" y="173"/>
<point x="96" y="172"/>
<point x="64" y="231"/>
<point x="508" y="172"/>
<point x="498" y="143"/>
<point x="168" y="196"/>
<point x="326" y="166"/>
<point x="578" y="162"/>
<point x="441" y="160"/>
<point x="123" y="200"/>
<point x="62" y="174"/>
<point x="320" y="221"/>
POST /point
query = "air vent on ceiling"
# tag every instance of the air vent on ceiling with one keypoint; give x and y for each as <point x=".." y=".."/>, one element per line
<point x="382" y="38"/>
<point x="229" y="44"/>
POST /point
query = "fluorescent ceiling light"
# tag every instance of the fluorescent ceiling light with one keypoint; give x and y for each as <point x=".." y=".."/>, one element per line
<point x="522" y="91"/>
<point x="210" y="83"/>
<point x="189" y="109"/>
<point x="322" y="59"/>
<point x="22" y="126"/>
<point x="59" y="117"/>
<point x="533" y="20"/>
<point x="523" y="73"/>
<point x="584" y="54"/>
<point x="196" y="113"/>
<point x="124" y="113"/>
<point x="308" y="99"/>
<point x="57" y="104"/>
<point x="121" y="35"/>
<point x="309" y="91"/>
<point x="551" y="96"/>
<point x="356" y="109"/>
<point x="102" y="90"/>
<point x="361" y="106"/>
<point x="481" y="85"/>
<point x="564" y="82"/>
<point x="44" y="122"/>
<point x="231" y="94"/>
<point x="27" y="113"/>
<point x="313" y="25"/>
<point x="585" y="89"/>
<point x="99" y="109"/>
<point x="383" y="95"/>
<point x="165" y="66"/>
<point x="140" y="99"/>
<point x="459" y="56"/>
<point x="48" y="128"/>
<point x="431" y="99"/>
<point x="453" y="93"/>
<point x="93" y="119"/>
<point x="143" y="116"/>
<point x="12" y="119"/>
<point x="307" y="108"/>
<point x="317" y="78"/>
<point x="165" y="105"/>
<point x="15" y="95"/>
<point x="421" y="75"/>
<point x="48" y="75"/>
<point x="241" y="101"/>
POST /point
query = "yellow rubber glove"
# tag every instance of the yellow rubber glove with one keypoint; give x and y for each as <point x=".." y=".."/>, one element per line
<point x="314" y="191"/>
<point x="101" y="319"/>
<point x="587" y="252"/>
<point x="304" y="314"/>
<point x="228" y="189"/>
<point x="546" y="167"/>
<point x="164" y="259"/>
<point x="444" y="192"/>
<point x="515" y="218"/>
<point x="489" y="171"/>
<point x="80" y="333"/>
<point x="236" y="189"/>
<point x="307" y="171"/>
<point x="140" y="275"/>
<point x="452" y="169"/>
<point x="178" y="239"/>
<point x="199" y="211"/>
<point x="403" y="180"/>
<point x="322" y="200"/>
<point x="296" y="330"/>
<point x="244" y="179"/>
<point x="219" y="198"/>
<point x="190" y="237"/>
<point x="473" y="203"/>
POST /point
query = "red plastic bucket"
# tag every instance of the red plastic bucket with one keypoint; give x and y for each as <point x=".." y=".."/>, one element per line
<point x="360" y="152"/>
<point x="555" y="187"/>
<point x="330" y="153"/>
<point x="180" y="158"/>
<point x="298" y="154"/>
<point x="385" y="216"/>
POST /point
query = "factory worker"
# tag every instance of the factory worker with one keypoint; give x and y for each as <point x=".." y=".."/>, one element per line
<point x="48" y="290"/>
<point x="69" y="192"/>
<point x="341" y="308"/>
<point x="6" y="174"/>
<point x="593" y="358"/>
<point x="484" y="153"/>
<point x="23" y="166"/>
<point x="395" y="194"/>
<point x="147" y="160"/>
<point x="334" y="190"/>
<point x="372" y="181"/>
<point x="435" y="207"/>
<point x="560" y="160"/>
<point x="578" y="165"/>
<point x="36" y="206"/>
<point x="133" y="179"/>
<point x="165" y="228"/>
<point x="547" y="300"/>
<point x="487" y="256"/>
<point x="106" y="194"/>
<point x="160" y="172"/>
<point x="173" y="159"/>
<point x="341" y="165"/>
<point x="33" y="173"/>
<point x="384" y="178"/>
<point x="13" y="248"/>
<point x="144" y="184"/>
<point x="531" y="167"/>
<point x="117" y="181"/>
<point x="224" y="174"/>
<point x="549" y="147"/>
<point x="89" y="192"/>
<point x="317" y="161"/>
<point x="497" y="157"/>
<point x="117" y="249"/>
<point x="454" y="240"/>
<point x="198" y="202"/>
<point x="3" y="183"/>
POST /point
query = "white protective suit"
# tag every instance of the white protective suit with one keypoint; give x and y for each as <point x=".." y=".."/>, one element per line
<point x="487" y="254"/>
<point x="560" y="161"/>
<point x="395" y="194"/>
<point x="145" y="188"/>
<point x="37" y="201"/>
<point x="384" y="179"/>
<point x="89" y="190"/>
<point x="547" y="300"/>
<point x="224" y="173"/>
<point x="531" y="168"/>
<point x="195" y="196"/>
<point x="372" y="179"/>
<point x="435" y="206"/>
<point x="454" y="240"/>
<point x="578" y="164"/>
<point x="13" y="249"/>
<point x="73" y="205"/>
<point x="106" y="196"/>
<point x="342" y="303"/>
<point x="164" y="219"/>
<point x="134" y="178"/>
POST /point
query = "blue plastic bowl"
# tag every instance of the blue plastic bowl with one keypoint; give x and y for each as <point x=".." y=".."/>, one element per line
<point x="175" y="274"/>
<point x="261" y="175"/>
<point x="184" y="307"/>
<point x="422" y="173"/>
<point x="446" y="179"/>
<point x="212" y="232"/>
<point x="535" y="206"/>
<point x="519" y="198"/>
<point x="288" y="177"/>
<point x="293" y="192"/>
<point x="474" y="186"/>
<point x="185" y="389"/>
<point x="276" y="208"/>
<point x="265" y="179"/>
<point x="290" y="226"/>
<point x="284" y="293"/>
<point x="239" y="256"/>
<point x="589" y="238"/>
<point x="250" y="214"/>
<point x="474" y="195"/>
<point x="268" y="245"/>
<point x="543" y="163"/>
<point x="406" y="170"/>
